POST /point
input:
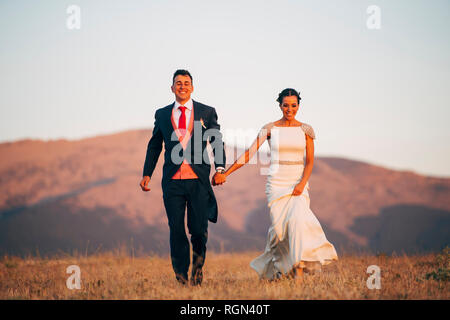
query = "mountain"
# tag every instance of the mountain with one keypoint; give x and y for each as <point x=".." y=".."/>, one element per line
<point x="64" y="196"/>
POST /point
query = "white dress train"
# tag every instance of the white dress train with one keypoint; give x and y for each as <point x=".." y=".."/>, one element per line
<point x="295" y="237"/>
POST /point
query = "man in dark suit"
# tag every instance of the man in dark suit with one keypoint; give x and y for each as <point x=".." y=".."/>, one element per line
<point x="185" y="127"/>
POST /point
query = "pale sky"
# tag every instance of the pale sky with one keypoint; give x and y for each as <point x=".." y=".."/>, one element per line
<point x="376" y="95"/>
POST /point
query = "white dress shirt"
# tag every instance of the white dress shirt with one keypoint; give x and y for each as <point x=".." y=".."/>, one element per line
<point x="187" y="112"/>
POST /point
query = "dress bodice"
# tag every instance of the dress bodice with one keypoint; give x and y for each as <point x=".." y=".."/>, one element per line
<point x="288" y="143"/>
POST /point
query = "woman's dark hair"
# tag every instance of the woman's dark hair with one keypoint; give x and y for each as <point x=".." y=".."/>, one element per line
<point x="181" y="72"/>
<point x="287" y="93"/>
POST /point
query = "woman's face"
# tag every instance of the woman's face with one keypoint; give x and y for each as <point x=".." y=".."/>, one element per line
<point x="289" y="107"/>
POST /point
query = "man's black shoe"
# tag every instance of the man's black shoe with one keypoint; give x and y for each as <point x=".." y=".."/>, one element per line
<point x="197" y="277"/>
<point x="182" y="279"/>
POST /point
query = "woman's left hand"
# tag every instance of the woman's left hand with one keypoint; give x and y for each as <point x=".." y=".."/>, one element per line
<point x="298" y="190"/>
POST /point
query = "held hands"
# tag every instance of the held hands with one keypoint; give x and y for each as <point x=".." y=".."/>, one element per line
<point x="144" y="183"/>
<point x="298" y="190"/>
<point x="218" y="179"/>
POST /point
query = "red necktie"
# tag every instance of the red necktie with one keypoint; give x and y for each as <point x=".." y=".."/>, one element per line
<point x="182" y="120"/>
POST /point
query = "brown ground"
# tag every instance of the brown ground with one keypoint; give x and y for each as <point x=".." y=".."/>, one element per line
<point x="226" y="276"/>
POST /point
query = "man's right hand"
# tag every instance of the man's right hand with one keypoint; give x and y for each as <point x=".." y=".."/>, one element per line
<point x="218" y="179"/>
<point x="144" y="183"/>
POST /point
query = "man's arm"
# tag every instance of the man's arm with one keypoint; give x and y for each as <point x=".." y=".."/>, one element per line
<point x="218" y="148"/>
<point x="154" y="148"/>
<point x="217" y="142"/>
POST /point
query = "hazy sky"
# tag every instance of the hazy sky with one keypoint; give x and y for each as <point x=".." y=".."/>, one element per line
<point x="377" y="95"/>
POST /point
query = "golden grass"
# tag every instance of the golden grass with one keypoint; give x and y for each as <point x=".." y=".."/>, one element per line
<point x="226" y="276"/>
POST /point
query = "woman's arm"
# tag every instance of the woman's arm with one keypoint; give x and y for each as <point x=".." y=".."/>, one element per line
<point x="250" y="152"/>
<point x="308" y="166"/>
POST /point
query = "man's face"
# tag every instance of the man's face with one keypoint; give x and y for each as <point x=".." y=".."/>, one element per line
<point x="182" y="88"/>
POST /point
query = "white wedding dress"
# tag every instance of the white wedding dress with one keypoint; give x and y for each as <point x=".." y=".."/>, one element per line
<point x="295" y="237"/>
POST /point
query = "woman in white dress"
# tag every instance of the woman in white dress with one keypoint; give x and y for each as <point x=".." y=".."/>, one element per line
<point x="295" y="239"/>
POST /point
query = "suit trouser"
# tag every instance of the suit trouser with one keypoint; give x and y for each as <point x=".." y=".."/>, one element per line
<point x="179" y="194"/>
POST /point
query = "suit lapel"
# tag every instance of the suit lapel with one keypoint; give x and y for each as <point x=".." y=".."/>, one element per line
<point x="197" y="114"/>
<point x="167" y="118"/>
<point x="197" y="117"/>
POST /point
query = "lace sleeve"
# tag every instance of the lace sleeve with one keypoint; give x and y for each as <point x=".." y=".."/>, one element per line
<point x="308" y="130"/>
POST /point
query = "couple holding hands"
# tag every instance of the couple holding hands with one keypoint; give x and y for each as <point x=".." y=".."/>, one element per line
<point x="295" y="239"/>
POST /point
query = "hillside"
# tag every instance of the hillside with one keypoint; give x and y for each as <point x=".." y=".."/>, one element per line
<point x="84" y="195"/>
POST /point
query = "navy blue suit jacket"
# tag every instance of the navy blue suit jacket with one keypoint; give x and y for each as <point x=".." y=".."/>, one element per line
<point x="163" y="131"/>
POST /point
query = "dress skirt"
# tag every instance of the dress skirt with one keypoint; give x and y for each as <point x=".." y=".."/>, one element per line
<point x="295" y="237"/>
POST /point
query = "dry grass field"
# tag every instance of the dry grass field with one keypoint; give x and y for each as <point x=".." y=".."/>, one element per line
<point x="117" y="275"/>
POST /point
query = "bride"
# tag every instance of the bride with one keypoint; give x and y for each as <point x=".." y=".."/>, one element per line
<point x="295" y="240"/>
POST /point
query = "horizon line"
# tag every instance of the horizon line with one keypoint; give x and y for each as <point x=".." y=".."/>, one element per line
<point x="115" y="132"/>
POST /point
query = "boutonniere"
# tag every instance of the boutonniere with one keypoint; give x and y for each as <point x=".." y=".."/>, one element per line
<point x="203" y="124"/>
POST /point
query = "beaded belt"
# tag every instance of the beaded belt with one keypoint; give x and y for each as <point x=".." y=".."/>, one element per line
<point x="288" y="162"/>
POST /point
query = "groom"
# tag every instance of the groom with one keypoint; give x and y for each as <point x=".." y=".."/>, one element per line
<point x="185" y="127"/>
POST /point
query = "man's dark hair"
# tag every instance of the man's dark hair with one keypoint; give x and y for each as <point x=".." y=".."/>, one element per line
<point x="181" y="72"/>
